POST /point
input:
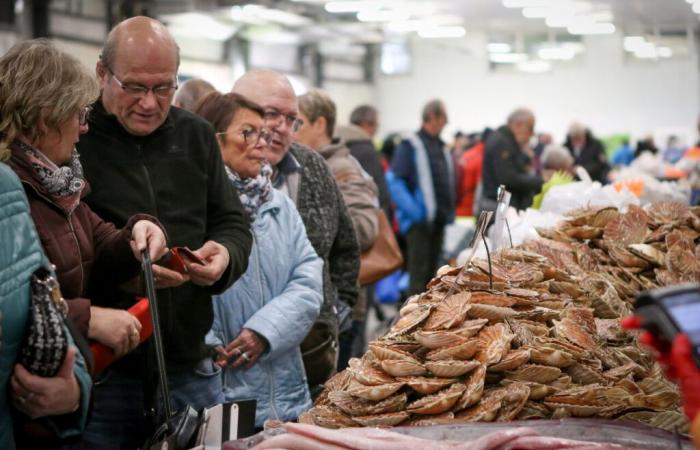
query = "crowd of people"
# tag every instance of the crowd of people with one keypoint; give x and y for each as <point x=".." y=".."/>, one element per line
<point x="275" y="199"/>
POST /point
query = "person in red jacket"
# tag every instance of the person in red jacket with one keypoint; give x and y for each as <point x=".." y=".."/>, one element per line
<point x="471" y="162"/>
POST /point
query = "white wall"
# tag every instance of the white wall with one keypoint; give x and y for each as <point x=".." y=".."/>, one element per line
<point x="603" y="90"/>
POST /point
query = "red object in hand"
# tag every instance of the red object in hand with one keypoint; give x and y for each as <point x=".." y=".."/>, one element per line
<point x="104" y="356"/>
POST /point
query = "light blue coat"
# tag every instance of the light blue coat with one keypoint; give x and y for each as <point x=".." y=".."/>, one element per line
<point x="279" y="297"/>
<point x="20" y="256"/>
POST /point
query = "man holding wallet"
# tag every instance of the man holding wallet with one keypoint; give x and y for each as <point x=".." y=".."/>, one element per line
<point x="141" y="154"/>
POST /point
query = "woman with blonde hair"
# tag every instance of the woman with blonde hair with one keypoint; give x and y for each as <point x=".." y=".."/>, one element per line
<point x="45" y="97"/>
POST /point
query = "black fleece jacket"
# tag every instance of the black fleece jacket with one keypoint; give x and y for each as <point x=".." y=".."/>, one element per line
<point x="175" y="174"/>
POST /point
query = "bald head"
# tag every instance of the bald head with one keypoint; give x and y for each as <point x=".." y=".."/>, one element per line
<point x="275" y="94"/>
<point x="139" y="34"/>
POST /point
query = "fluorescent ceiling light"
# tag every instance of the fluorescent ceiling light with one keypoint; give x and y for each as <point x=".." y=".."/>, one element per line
<point x="561" y="53"/>
<point x="527" y="3"/>
<point x="352" y="6"/>
<point x="202" y="25"/>
<point x="507" y="58"/>
<point x="405" y="26"/>
<point x="591" y="28"/>
<point x="498" y="47"/>
<point x="534" y="66"/>
<point x="696" y="7"/>
<point x="631" y="43"/>
<point x="536" y="12"/>
<point x="434" y="32"/>
<point x="664" y="52"/>
<point x="384" y="15"/>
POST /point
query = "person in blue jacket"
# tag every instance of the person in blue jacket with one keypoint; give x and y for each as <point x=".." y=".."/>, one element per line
<point x="421" y="184"/>
<point x="64" y="398"/>
<point x="260" y="321"/>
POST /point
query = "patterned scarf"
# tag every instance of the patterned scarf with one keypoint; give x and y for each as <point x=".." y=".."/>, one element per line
<point x="253" y="192"/>
<point x="63" y="183"/>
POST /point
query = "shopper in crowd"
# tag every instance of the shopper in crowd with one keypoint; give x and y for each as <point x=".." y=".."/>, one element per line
<point x="556" y="158"/>
<point x="41" y="142"/>
<point x="674" y="150"/>
<point x="472" y="161"/>
<point x="63" y="400"/>
<point x="646" y="145"/>
<point x="421" y="183"/>
<point x="588" y="152"/>
<point x="303" y="175"/>
<point x="624" y="155"/>
<point x="260" y="321"/>
<point x="459" y="145"/>
<point x="191" y="92"/>
<point x="318" y="113"/>
<point x="507" y="162"/>
<point x="141" y="155"/>
<point x="357" y="137"/>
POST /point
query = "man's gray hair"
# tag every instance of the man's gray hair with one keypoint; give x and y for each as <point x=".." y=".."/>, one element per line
<point x="556" y="157"/>
<point x="363" y="114"/>
<point x="434" y="108"/>
<point x="191" y="92"/>
<point x="520" y="115"/>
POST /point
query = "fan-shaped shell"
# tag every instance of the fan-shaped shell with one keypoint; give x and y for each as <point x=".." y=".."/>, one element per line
<point x="485" y="298"/>
<point x="512" y="361"/>
<point x="462" y="350"/>
<point x="629" y="228"/>
<point x="514" y="397"/>
<point x="485" y="411"/>
<point x="449" y="313"/>
<point x="584" y="232"/>
<point x="573" y="332"/>
<point x="439" y="339"/>
<point x="337" y="382"/>
<point x="490" y="312"/>
<point x="661" y="213"/>
<point x="402" y="367"/>
<point x="411" y="320"/>
<point x="550" y="356"/>
<point x="583" y="374"/>
<point x="437" y="403"/>
<point x="474" y="389"/>
<point x="604" y="216"/>
<point x="366" y="374"/>
<point x="450" y="368"/>
<point x="495" y="343"/>
<point x="576" y="410"/>
<point x="429" y="420"/>
<point x="374" y="393"/>
<point x="535" y="372"/>
<point x="383" y="352"/>
<point x="538" y="391"/>
<point x="626" y="258"/>
<point x="426" y="385"/>
<point x="648" y="253"/>
<point x="382" y="420"/>
<point x="327" y="417"/>
<point x="469" y="328"/>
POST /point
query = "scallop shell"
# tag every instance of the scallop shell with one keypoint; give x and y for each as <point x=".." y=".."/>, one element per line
<point x="670" y="420"/>
<point x="383" y="352"/>
<point x="549" y="356"/>
<point x="327" y="417"/>
<point x="575" y="333"/>
<point x="490" y="312"/>
<point x="485" y="298"/>
<point x="533" y="411"/>
<point x="365" y="373"/>
<point x="439" y="339"/>
<point x="495" y="343"/>
<point x="469" y="328"/>
<point x="463" y="350"/>
<point x="582" y="374"/>
<point x="535" y="372"/>
<point x="584" y="232"/>
<point x="576" y="410"/>
<point x="449" y="313"/>
<point x="662" y="399"/>
<point x="563" y="382"/>
<point x="661" y="213"/>
<point x="512" y="360"/>
<point x="425" y="385"/>
<point x="604" y="216"/>
<point x="626" y="258"/>
<point x="648" y="253"/>
<point x="538" y="391"/>
<point x="514" y="398"/>
<point x="437" y="403"/>
<point x="629" y="228"/>
<point x="337" y="382"/>
<point x="450" y="368"/>
<point x="374" y="393"/>
<point x="402" y="367"/>
<point x="475" y="389"/>
<point x="382" y="420"/>
<point x="485" y="411"/>
<point x="357" y="407"/>
<point x="411" y="320"/>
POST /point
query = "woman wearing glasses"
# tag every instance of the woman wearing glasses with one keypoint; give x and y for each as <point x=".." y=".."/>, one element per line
<point x="260" y="321"/>
<point x="44" y="94"/>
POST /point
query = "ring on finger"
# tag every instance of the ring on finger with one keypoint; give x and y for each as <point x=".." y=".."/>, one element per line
<point x="245" y="357"/>
<point x="21" y="399"/>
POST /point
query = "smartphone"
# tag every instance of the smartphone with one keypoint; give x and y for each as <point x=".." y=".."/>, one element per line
<point x="668" y="311"/>
<point x="186" y="253"/>
<point x="177" y="257"/>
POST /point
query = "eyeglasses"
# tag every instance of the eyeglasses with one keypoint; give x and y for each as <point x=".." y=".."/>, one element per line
<point x="139" y="90"/>
<point x="291" y="120"/>
<point x="251" y="136"/>
<point x="84" y="114"/>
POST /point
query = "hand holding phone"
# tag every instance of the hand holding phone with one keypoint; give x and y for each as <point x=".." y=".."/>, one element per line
<point x="177" y="258"/>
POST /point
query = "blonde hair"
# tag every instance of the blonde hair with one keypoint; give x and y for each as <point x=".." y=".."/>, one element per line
<point x="40" y="82"/>
<point x="315" y="104"/>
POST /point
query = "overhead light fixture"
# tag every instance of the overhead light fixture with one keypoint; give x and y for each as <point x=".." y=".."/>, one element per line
<point x="536" y="12"/>
<point x="436" y="32"/>
<point x="382" y="15"/>
<point x="498" y="47"/>
<point x="559" y="52"/>
<point x="631" y="43"/>
<point x="696" y="7"/>
<point x="534" y="66"/>
<point x="507" y="58"/>
<point x="664" y="52"/>
<point x="344" y="7"/>
<point x="201" y="25"/>
<point x="591" y="28"/>
<point x="405" y="26"/>
<point x="527" y="3"/>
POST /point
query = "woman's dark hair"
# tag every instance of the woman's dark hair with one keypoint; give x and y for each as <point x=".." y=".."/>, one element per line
<point x="219" y="109"/>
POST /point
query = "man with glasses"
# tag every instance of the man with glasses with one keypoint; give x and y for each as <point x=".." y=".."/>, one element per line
<point x="142" y="155"/>
<point x="304" y="176"/>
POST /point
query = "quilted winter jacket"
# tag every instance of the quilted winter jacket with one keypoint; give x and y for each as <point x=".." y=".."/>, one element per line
<point x="278" y="297"/>
<point x="20" y="256"/>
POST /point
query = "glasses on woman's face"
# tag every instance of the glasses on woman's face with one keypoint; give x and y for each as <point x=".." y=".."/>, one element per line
<point x="84" y="114"/>
<point x="251" y="136"/>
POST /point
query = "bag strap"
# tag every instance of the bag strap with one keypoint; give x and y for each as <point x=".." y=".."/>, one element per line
<point x="157" y="338"/>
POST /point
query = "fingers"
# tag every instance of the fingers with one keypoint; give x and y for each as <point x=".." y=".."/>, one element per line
<point x="139" y="240"/>
<point x="166" y="278"/>
<point x="216" y="258"/>
<point x="147" y="235"/>
<point x="66" y="369"/>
